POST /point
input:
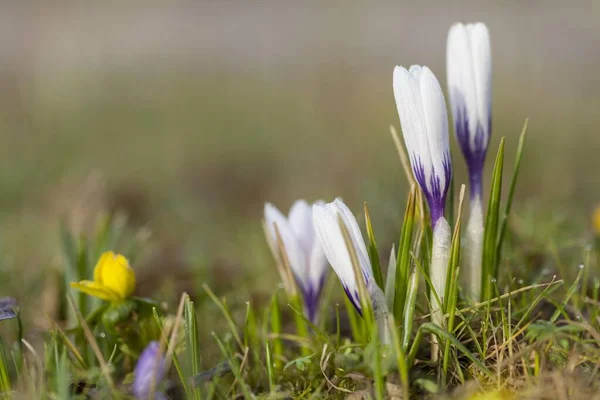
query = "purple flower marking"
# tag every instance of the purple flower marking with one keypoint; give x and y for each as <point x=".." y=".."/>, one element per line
<point x="436" y="196"/>
<point x="354" y="299"/>
<point x="475" y="157"/>
<point x="311" y="296"/>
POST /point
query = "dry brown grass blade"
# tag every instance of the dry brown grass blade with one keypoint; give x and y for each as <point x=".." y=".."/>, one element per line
<point x="403" y="157"/>
<point x="92" y="341"/>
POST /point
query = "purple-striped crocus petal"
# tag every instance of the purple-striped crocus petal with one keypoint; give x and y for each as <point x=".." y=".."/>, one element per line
<point x="434" y="193"/>
<point x="354" y="299"/>
<point x="469" y="69"/>
<point x="149" y="371"/>
<point x="474" y="151"/>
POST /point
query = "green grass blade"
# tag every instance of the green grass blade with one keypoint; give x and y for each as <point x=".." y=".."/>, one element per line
<point x="404" y="257"/>
<point x="270" y="365"/>
<point x="390" y="279"/>
<point x="451" y="297"/>
<point x="400" y="353"/>
<point x="192" y="341"/>
<point x="373" y="254"/>
<point x="276" y="330"/>
<point x="409" y="307"/>
<point x="226" y="314"/>
<point x="491" y="227"/>
<point x="5" y="385"/>
<point x="511" y="193"/>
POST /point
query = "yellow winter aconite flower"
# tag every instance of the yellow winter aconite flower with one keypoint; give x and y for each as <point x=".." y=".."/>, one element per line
<point x="114" y="280"/>
<point x="492" y="395"/>
<point x="596" y="221"/>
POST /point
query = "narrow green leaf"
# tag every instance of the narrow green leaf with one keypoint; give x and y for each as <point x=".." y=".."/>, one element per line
<point x="409" y="307"/>
<point x="491" y="227"/>
<point x="390" y="279"/>
<point x="226" y="314"/>
<point x="192" y="341"/>
<point x="400" y="353"/>
<point x="373" y="254"/>
<point x="276" y="330"/>
<point x="404" y="249"/>
<point x="270" y="364"/>
<point x="451" y="297"/>
<point x="511" y="193"/>
<point x="5" y="386"/>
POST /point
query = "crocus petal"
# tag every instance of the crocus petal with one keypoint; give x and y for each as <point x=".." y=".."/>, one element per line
<point x="149" y="370"/>
<point x="469" y="70"/>
<point x="300" y="222"/>
<point x="96" y="289"/>
<point x="293" y="249"/>
<point x="355" y="235"/>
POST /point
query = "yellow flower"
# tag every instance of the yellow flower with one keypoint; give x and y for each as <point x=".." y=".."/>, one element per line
<point x="114" y="280"/>
<point x="596" y="221"/>
<point x="492" y="395"/>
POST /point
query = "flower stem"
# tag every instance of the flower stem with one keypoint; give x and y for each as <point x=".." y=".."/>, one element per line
<point x="474" y="250"/>
<point x="380" y="312"/>
<point x="440" y="254"/>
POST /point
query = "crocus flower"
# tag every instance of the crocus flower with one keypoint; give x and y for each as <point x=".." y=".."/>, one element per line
<point x="7" y="308"/>
<point x="148" y="373"/>
<point x="469" y="69"/>
<point x="422" y="112"/>
<point x="114" y="280"/>
<point x="327" y="219"/>
<point x="304" y="253"/>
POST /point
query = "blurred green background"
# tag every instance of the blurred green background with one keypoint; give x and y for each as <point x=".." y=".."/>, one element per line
<point x="188" y="116"/>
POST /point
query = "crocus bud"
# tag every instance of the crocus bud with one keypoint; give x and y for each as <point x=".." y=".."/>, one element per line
<point x="469" y="68"/>
<point x="327" y="219"/>
<point x="304" y="253"/>
<point x="422" y="112"/>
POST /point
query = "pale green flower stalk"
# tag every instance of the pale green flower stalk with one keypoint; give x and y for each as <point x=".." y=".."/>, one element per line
<point x="469" y="70"/>
<point x="422" y="112"/>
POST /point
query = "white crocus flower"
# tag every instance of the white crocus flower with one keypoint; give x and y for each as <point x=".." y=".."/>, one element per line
<point x="327" y="219"/>
<point x="303" y="251"/>
<point x="422" y="112"/>
<point x="469" y="69"/>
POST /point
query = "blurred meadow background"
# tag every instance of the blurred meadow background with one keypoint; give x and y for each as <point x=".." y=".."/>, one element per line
<point x="186" y="117"/>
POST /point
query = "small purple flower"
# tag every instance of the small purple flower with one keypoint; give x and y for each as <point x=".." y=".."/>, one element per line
<point x="149" y="372"/>
<point x="7" y="308"/>
<point x="303" y="251"/>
